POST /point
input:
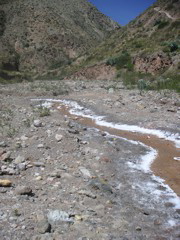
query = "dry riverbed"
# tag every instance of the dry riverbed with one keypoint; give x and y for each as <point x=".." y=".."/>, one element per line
<point x="62" y="177"/>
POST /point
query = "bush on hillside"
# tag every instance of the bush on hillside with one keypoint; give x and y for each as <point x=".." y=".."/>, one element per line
<point x="122" y="61"/>
<point x="161" y="24"/>
<point x="173" y="46"/>
<point x="170" y="46"/>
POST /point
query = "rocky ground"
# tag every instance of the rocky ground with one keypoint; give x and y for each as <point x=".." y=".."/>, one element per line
<point x="64" y="181"/>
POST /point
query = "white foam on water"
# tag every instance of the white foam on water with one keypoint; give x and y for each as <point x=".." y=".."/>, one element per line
<point x="146" y="160"/>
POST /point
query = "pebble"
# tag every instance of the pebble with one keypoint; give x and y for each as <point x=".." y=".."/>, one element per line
<point x="87" y="194"/>
<point x="58" y="137"/>
<point x="55" y="174"/>
<point x="73" y="131"/>
<point x="111" y="90"/>
<point x="3" y="144"/>
<point x="21" y="166"/>
<point x="18" y="145"/>
<point x="138" y="228"/>
<point x="23" y="190"/>
<point x="38" y="164"/>
<point x="43" y="225"/>
<point x="38" y="178"/>
<point x="24" y="138"/>
<point x="58" y="215"/>
<point x="85" y="172"/>
<point x="49" y="132"/>
<point x="157" y="222"/>
<point x="19" y="159"/>
<point x="40" y="145"/>
<point x="37" y="123"/>
<point x="5" y="183"/>
<point x="6" y="156"/>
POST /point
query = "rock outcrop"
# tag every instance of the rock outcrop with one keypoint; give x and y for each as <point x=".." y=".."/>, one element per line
<point x="152" y="64"/>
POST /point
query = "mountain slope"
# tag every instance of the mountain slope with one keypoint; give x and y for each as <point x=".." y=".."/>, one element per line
<point x="36" y="36"/>
<point x="149" y="44"/>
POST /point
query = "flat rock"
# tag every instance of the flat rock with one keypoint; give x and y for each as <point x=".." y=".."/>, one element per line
<point x="86" y="173"/>
<point x="38" y="164"/>
<point x="23" y="190"/>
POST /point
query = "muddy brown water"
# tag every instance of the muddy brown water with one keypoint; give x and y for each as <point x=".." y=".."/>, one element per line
<point x="163" y="166"/>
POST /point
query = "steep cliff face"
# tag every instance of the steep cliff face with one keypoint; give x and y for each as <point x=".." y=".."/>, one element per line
<point x="36" y="36"/>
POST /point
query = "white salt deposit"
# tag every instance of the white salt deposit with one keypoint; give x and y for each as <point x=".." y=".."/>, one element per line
<point x="146" y="160"/>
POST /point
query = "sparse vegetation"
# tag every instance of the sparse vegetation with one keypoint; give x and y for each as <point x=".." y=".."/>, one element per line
<point x="142" y="85"/>
<point x="11" y="131"/>
<point x="170" y="46"/>
<point x="161" y="24"/>
<point x="6" y="127"/>
<point x="27" y="122"/>
<point x="44" y="111"/>
<point x="145" y="81"/>
<point x="122" y="61"/>
<point x="54" y="88"/>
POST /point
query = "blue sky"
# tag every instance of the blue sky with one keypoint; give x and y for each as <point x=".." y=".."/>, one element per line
<point x="122" y="11"/>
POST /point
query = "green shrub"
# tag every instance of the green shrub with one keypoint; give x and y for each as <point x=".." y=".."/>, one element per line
<point x="137" y="44"/>
<point x="145" y="81"/>
<point x="173" y="46"/>
<point x="170" y="46"/>
<point x="122" y="61"/>
<point x="175" y="24"/>
<point x="161" y="24"/>
<point x="43" y="111"/>
<point x="171" y="82"/>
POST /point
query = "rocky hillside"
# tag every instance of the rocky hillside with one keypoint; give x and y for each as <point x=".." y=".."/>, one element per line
<point x="36" y="36"/>
<point x="149" y="44"/>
